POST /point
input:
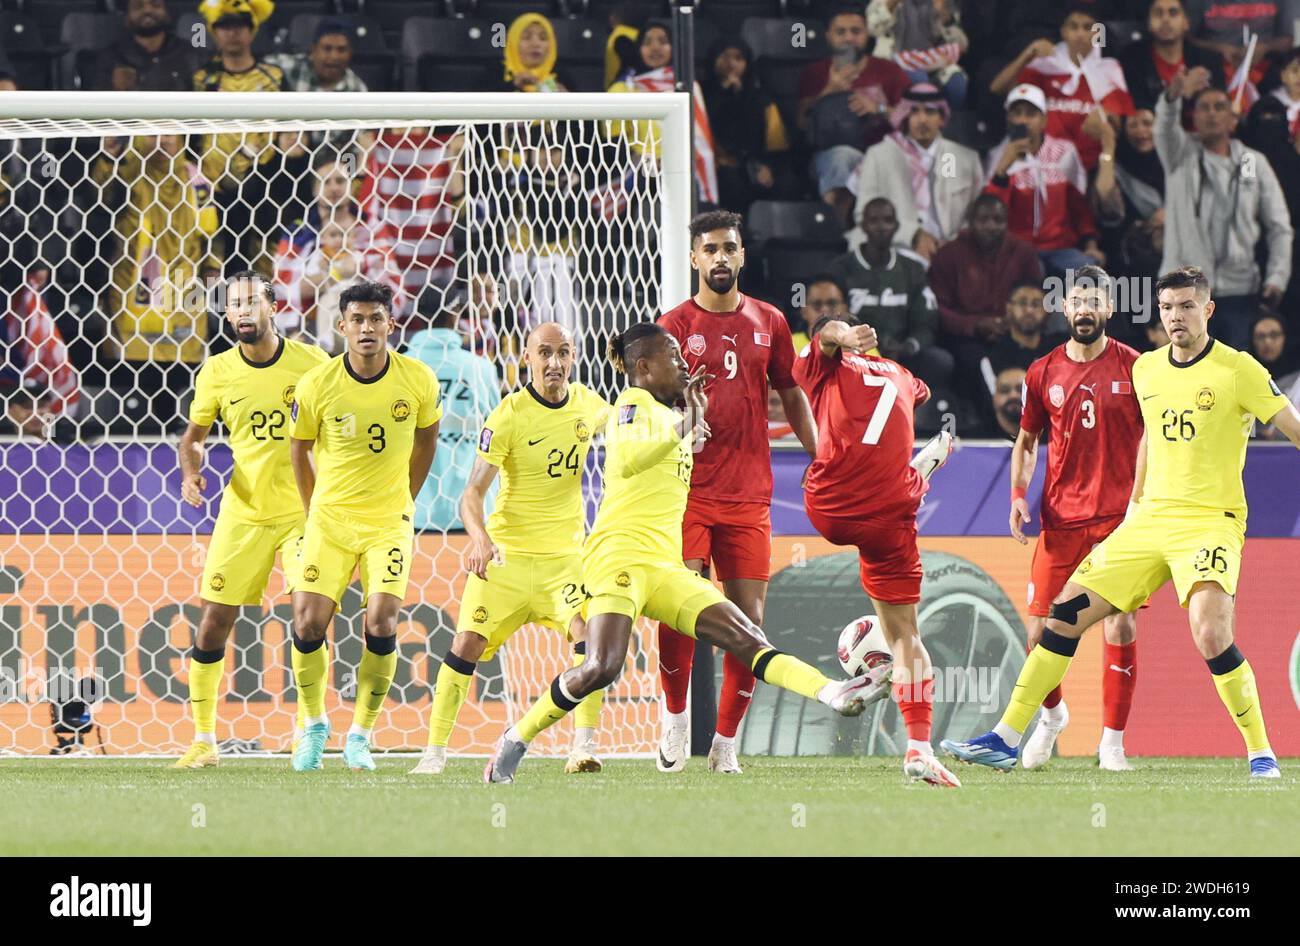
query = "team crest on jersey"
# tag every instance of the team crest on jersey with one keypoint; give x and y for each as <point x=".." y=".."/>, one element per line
<point x="1085" y="566"/>
<point x="626" y="413"/>
<point x="287" y="395"/>
<point x="311" y="573"/>
<point x="401" y="410"/>
<point x="1205" y="399"/>
<point x="218" y="581"/>
<point x="622" y="579"/>
<point x="581" y="431"/>
<point x="480" y="614"/>
<point x="1056" y="394"/>
<point x="485" y="439"/>
<point x="695" y="345"/>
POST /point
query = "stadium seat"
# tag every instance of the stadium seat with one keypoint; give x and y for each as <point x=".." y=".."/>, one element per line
<point x="777" y="38"/>
<point x="1119" y="33"/>
<point x="587" y="76"/>
<point x="965" y="127"/>
<point x="367" y="34"/>
<point x="580" y="40"/>
<point x="48" y="16"/>
<point x="391" y="15"/>
<point x="459" y="40"/>
<point x="21" y="38"/>
<point x="435" y="74"/>
<point x="82" y="30"/>
<point x="727" y="13"/>
<point x="792" y="240"/>
<point x="503" y="11"/>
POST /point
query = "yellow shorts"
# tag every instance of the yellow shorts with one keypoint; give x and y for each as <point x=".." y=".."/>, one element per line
<point x="662" y="591"/>
<point x="527" y="589"/>
<point x="241" y="555"/>
<point x="1155" y="545"/>
<point x="333" y="546"/>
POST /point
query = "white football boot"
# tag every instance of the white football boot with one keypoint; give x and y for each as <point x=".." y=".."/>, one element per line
<point x="1112" y="759"/>
<point x="672" y="749"/>
<point x="722" y="758"/>
<point x="1037" y="750"/>
<point x="933" y="455"/>
<point x="432" y="762"/>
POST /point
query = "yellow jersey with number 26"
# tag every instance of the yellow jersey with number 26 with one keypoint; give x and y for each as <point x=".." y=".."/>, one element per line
<point x="647" y="480"/>
<point x="1198" y="417"/>
<point x="364" y="429"/>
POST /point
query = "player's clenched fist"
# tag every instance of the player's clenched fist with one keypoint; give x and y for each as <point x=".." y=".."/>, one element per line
<point x="1019" y="518"/>
<point x="192" y="488"/>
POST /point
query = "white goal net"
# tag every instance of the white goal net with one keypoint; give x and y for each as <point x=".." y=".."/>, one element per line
<point x="119" y="214"/>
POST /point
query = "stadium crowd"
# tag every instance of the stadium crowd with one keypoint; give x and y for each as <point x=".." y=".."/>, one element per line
<point x="919" y="165"/>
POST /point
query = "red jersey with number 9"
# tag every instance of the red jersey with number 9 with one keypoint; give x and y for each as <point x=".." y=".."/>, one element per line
<point x="863" y="406"/>
<point x="1095" y="423"/>
<point x="743" y="350"/>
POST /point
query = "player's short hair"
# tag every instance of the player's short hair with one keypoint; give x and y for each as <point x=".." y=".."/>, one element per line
<point x="266" y="290"/>
<point x="366" y="290"/>
<point x="712" y="220"/>
<point x="1093" y="276"/>
<point x="626" y="347"/>
<point x="1188" y="277"/>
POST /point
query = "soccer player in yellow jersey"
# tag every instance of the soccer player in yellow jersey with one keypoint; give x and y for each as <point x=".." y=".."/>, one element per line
<point x="1199" y="399"/>
<point x="370" y="416"/>
<point x="251" y="388"/>
<point x="525" y="563"/>
<point x="632" y="560"/>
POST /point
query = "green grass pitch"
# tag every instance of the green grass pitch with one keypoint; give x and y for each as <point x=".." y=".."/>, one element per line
<point x="779" y="806"/>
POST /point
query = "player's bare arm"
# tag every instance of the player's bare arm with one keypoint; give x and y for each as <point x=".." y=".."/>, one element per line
<point x="1140" y="471"/>
<point x="190" y="453"/>
<point x="834" y="335"/>
<point x="304" y="472"/>
<point x="424" y="446"/>
<point x="797" y="411"/>
<point x="1024" y="457"/>
<point x="482" y="551"/>
<point x="1287" y="420"/>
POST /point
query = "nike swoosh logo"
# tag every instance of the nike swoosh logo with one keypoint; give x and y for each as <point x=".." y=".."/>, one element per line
<point x="373" y="693"/>
<point x="664" y="761"/>
<point x="388" y="581"/>
<point x="1245" y="711"/>
<point x="533" y="443"/>
<point x="235" y="401"/>
<point x="1149" y="396"/>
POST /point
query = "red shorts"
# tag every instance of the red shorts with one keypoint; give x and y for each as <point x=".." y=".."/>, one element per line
<point x="1057" y="554"/>
<point x="735" y="537"/>
<point x="890" y="559"/>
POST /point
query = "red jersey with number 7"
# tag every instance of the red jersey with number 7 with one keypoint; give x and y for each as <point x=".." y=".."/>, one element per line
<point x="1095" y="424"/>
<point x="743" y="350"/>
<point x="864" y="407"/>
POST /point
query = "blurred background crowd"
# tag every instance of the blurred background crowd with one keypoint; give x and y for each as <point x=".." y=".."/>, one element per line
<point x="926" y="166"/>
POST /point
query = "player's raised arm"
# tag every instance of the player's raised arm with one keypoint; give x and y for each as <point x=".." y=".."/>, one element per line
<point x="190" y="453"/>
<point x="835" y="335"/>
<point x="482" y="551"/>
<point x="1024" y="457"/>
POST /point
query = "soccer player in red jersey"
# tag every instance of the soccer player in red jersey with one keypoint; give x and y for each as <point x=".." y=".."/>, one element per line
<point x="1082" y="392"/>
<point x="862" y="489"/>
<point x="746" y="345"/>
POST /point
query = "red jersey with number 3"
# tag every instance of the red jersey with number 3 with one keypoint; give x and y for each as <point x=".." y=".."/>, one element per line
<point x="743" y="350"/>
<point x="1095" y="424"/>
<point x="864" y="407"/>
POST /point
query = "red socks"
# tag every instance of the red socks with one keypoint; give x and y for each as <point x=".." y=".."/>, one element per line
<point x="737" y="690"/>
<point x="916" y="703"/>
<point x="676" y="654"/>
<point x="1118" y="681"/>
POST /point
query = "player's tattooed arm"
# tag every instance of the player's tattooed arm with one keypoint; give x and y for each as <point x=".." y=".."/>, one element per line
<point x="190" y="454"/>
<point x="482" y="552"/>
<point x="304" y="472"/>
<point x="1024" y="457"/>
<point x="1287" y="420"/>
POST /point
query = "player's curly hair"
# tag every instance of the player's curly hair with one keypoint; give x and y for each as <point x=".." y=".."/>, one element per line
<point x="626" y="347"/>
<point x="366" y="290"/>
<point x="712" y="220"/>
<point x="264" y="287"/>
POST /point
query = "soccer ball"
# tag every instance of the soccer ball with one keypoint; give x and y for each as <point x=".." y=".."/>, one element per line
<point x="863" y="649"/>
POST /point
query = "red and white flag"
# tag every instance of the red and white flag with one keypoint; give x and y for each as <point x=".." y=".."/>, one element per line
<point x="1121" y="387"/>
<point x="706" y="170"/>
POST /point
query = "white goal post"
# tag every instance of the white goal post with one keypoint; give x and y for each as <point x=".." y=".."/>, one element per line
<point x="99" y="562"/>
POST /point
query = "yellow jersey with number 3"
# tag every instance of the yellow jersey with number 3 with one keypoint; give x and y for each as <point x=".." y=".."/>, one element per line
<point x="541" y="450"/>
<point x="647" y="480"/>
<point x="1198" y="417"/>
<point x="364" y="429"/>
<point x="254" y="400"/>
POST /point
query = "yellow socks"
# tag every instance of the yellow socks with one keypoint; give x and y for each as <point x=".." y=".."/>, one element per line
<point x="551" y="707"/>
<point x="1042" y="673"/>
<point x="311" y="663"/>
<point x="207" y="668"/>
<point x="1235" y="682"/>
<point x="587" y="715"/>
<point x="374" y="677"/>
<point x="790" y="673"/>
<point x="449" y="693"/>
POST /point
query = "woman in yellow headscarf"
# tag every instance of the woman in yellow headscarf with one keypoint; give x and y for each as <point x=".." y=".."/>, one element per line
<point x="530" y="56"/>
